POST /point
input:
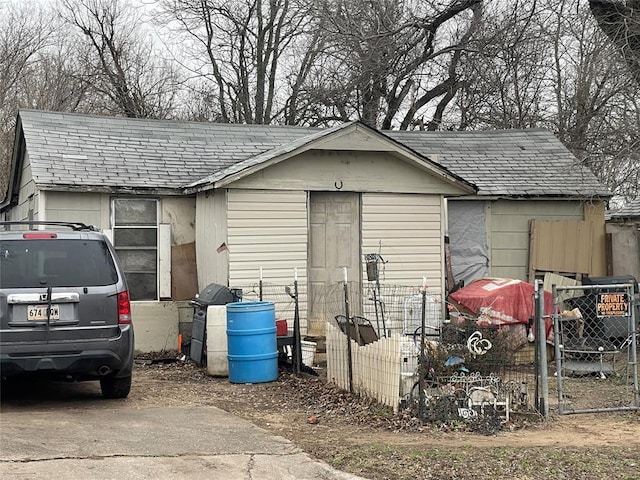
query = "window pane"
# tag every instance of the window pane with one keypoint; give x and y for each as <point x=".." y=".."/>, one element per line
<point x="55" y="263"/>
<point x="137" y="260"/>
<point x="135" y="212"/>
<point x="142" y="286"/>
<point x="135" y="237"/>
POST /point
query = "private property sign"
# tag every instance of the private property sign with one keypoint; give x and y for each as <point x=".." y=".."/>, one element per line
<point x="612" y="305"/>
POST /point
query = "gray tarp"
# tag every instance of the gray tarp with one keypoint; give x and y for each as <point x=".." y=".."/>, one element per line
<point x="468" y="240"/>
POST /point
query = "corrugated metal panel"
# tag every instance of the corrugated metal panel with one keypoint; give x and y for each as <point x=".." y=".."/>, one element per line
<point x="561" y="246"/>
<point x="594" y="213"/>
<point x="268" y="229"/>
<point x="211" y="233"/>
<point x="406" y="230"/>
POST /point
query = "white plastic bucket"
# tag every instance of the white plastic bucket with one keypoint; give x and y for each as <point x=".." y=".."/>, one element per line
<point x="308" y="352"/>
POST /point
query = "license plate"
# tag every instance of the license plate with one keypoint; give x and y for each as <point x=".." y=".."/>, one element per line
<point x="39" y="312"/>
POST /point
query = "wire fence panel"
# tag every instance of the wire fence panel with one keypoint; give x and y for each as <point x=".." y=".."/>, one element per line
<point x="280" y="295"/>
<point x="453" y="370"/>
<point x="388" y="309"/>
<point x="595" y="342"/>
<point x="473" y="372"/>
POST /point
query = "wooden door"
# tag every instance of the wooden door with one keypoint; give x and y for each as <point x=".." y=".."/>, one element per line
<point x="334" y="243"/>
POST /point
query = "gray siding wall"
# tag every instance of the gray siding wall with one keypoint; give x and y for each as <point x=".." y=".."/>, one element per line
<point x="94" y="209"/>
<point x="508" y="231"/>
<point x="28" y="197"/>
<point x="88" y="208"/>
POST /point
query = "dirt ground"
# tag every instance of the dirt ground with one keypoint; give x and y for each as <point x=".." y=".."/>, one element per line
<point x="363" y="438"/>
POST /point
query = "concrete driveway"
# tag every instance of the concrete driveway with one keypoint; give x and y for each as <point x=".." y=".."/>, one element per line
<point x="66" y="431"/>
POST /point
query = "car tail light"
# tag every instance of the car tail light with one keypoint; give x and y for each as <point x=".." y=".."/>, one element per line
<point x="124" y="308"/>
<point x="40" y="235"/>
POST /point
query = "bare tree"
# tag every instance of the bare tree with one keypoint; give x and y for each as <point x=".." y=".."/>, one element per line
<point x="252" y="54"/>
<point x="620" y="21"/>
<point x="597" y="99"/>
<point x="389" y="61"/>
<point x="25" y="32"/>
<point x="120" y="65"/>
<point x="613" y="153"/>
<point x="507" y="69"/>
<point x="55" y="82"/>
<point x="546" y="64"/>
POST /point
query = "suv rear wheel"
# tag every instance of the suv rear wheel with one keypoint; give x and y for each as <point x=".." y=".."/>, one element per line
<point x="113" y="387"/>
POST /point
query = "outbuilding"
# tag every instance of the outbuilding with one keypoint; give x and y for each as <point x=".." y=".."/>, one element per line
<point x="623" y="230"/>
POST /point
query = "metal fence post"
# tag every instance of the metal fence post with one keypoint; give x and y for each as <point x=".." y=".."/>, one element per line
<point x="541" y="344"/>
<point x="297" y="345"/>
<point x="557" y="345"/>
<point x="421" y="364"/>
<point x="634" y="330"/>
<point x="347" y="324"/>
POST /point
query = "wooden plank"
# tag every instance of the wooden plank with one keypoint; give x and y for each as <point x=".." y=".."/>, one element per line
<point x="184" y="278"/>
<point x="164" y="263"/>
<point x="594" y="213"/>
<point x="560" y="246"/>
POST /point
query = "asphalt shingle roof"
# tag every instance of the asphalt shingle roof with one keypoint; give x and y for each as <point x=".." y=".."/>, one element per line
<point x="84" y="150"/>
<point x="631" y="210"/>
<point x="529" y="162"/>
<point x="112" y="152"/>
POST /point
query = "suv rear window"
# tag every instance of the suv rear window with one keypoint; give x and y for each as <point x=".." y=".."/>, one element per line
<point x="57" y="263"/>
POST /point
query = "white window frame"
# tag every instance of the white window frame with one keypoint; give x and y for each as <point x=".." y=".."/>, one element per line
<point x="159" y="250"/>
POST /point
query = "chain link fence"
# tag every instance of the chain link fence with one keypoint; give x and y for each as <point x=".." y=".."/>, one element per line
<point x="595" y="342"/>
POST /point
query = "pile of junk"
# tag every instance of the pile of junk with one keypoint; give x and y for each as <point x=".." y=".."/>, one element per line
<point x="212" y="294"/>
<point x="243" y="340"/>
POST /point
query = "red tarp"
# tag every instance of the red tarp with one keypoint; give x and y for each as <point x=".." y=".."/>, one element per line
<point x="500" y="301"/>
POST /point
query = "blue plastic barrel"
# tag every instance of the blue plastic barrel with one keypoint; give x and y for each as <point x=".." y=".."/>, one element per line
<point x="251" y="340"/>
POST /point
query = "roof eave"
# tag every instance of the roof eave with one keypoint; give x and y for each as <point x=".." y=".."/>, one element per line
<point x="253" y="164"/>
<point x="220" y="179"/>
<point x="152" y="191"/>
<point x="547" y="197"/>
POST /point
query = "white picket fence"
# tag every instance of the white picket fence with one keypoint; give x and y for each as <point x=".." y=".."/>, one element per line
<point x="376" y="366"/>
